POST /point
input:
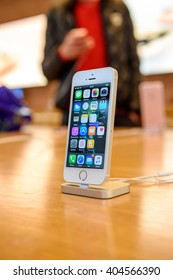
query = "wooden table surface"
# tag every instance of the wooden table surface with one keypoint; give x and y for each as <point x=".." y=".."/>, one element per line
<point x="37" y="221"/>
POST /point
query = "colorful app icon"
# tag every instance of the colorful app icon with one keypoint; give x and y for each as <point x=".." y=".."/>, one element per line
<point x="104" y="91"/>
<point x="85" y="106"/>
<point x="91" y="130"/>
<point x="95" y="92"/>
<point x="100" y="130"/>
<point x="89" y="159"/>
<point x="86" y="93"/>
<point x="76" y="118"/>
<point x="84" y="118"/>
<point x="94" y="105"/>
<point x="93" y="118"/>
<point x="77" y="106"/>
<point x="98" y="160"/>
<point x="90" y="143"/>
<point x="78" y="94"/>
<point x="83" y="130"/>
<point x="72" y="159"/>
<point x="82" y="143"/>
<point x="74" y="131"/>
<point x="103" y="105"/>
<point x="80" y="159"/>
<point x="73" y="143"/>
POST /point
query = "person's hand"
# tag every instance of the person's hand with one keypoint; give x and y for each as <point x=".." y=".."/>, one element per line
<point x="76" y="42"/>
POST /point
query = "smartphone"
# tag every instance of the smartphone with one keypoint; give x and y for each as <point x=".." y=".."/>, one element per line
<point x="152" y="104"/>
<point x="90" y="126"/>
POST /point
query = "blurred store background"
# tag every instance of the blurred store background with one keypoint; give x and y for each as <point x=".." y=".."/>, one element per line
<point x="22" y="29"/>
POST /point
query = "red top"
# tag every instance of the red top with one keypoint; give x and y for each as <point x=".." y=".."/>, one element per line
<point x="88" y="16"/>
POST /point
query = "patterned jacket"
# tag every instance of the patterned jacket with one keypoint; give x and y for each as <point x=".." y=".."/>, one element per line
<point x="120" y="43"/>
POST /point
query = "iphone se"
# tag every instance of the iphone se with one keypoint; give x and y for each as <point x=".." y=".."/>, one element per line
<point x="90" y="126"/>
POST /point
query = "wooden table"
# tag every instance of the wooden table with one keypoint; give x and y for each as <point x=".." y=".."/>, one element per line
<point x="37" y="221"/>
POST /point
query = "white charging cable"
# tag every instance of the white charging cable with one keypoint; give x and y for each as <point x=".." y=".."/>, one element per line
<point x="158" y="178"/>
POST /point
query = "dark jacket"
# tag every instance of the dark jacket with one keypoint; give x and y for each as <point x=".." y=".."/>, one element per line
<point x="120" y="45"/>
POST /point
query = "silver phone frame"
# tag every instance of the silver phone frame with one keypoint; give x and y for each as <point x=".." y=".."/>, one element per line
<point x="82" y="78"/>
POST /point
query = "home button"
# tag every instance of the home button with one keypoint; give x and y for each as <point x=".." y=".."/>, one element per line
<point x="83" y="175"/>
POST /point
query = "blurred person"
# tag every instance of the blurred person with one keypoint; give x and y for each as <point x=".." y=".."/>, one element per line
<point x="88" y="34"/>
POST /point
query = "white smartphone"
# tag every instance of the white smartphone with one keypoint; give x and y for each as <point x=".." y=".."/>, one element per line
<point x="90" y="126"/>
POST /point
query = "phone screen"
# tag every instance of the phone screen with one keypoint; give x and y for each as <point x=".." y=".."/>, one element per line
<point x="88" y="126"/>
